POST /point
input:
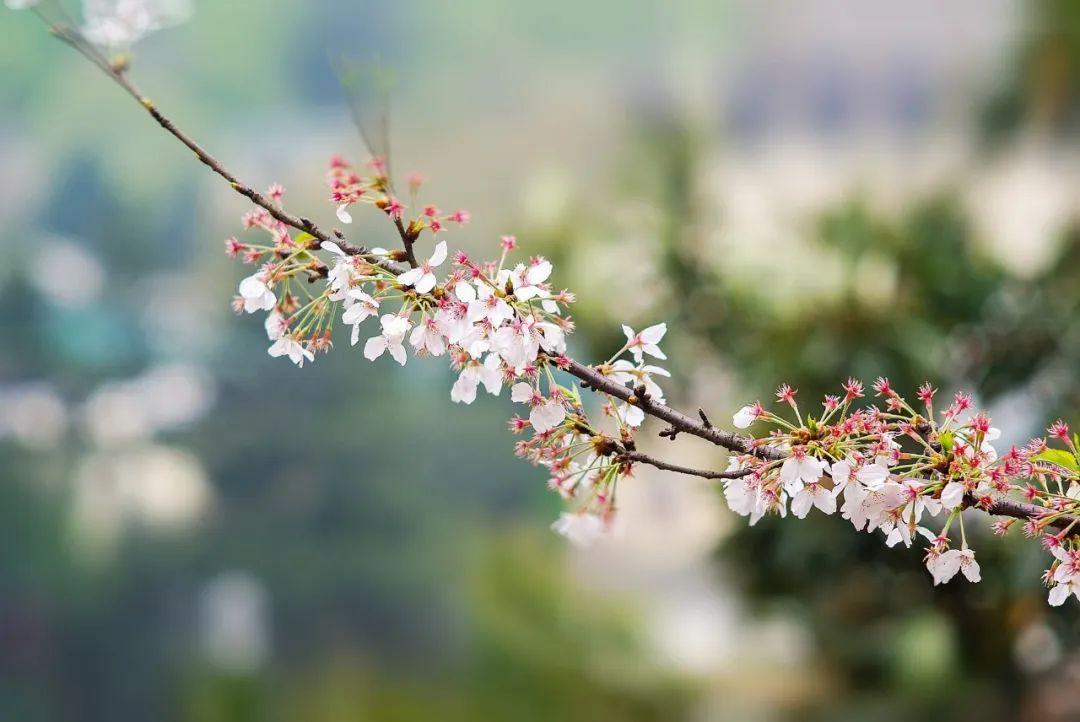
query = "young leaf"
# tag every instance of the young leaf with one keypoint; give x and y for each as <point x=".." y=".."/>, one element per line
<point x="1059" y="457"/>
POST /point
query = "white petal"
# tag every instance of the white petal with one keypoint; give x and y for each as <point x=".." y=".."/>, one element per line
<point x="521" y="392"/>
<point x="952" y="495"/>
<point x="653" y="334"/>
<point x="438" y="255"/>
<point x="333" y="248"/>
<point x="411" y="276"/>
<point x="343" y="214"/>
<point x="374" y="347"/>
<point x="398" y="352"/>
<point x="426" y="283"/>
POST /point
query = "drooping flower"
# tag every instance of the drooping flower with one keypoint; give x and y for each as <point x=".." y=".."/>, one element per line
<point x="799" y="469"/>
<point x="362" y="306"/>
<point x="291" y="347"/>
<point x="394" y="328"/>
<point x="546" y="413"/>
<point x="275" y="325"/>
<point x="428" y="336"/>
<point x="257" y="294"/>
<point x="474" y="373"/>
<point x="813" y="494"/>
<point x="943" y="565"/>
<point x="581" y="528"/>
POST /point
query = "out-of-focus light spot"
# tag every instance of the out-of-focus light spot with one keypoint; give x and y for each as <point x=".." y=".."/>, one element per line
<point x="33" y="415"/>
<point x="1037" y="648"/>
<point x="547" y="197"/>
<point x="156" y="486"/>
<point x="164" y="398"/>
<point x="66" y="273"/>
<point x="234" y="629"/>
<point x="1022" y="204"/>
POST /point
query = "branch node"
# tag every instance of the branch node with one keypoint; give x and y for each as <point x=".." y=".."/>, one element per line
<point x="704" y="418"/>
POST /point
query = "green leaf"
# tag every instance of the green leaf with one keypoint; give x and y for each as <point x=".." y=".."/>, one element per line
<point x="303" y="238"/>
<point x="946" y="439"/>
<point x="1059" y="457"/>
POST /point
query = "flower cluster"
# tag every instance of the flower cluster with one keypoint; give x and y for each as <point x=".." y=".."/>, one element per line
<point x="893" y="468"/>
<point x="498" y="324"/>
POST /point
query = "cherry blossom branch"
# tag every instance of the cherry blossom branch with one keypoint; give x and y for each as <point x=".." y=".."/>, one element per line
<point x="507" y="325"/>
<point x="638" y="457"/>
<point x="591" y="378"/>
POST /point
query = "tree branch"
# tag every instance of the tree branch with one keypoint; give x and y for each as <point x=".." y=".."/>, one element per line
<point x="679" y="421"/>
<point x="638" y="457"/>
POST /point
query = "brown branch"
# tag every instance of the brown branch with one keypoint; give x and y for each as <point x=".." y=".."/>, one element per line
<point x="407" y="239"/>
<point x="679" y="421"/>
<point x="638" y="457"/>
<point x="1021" y="510"/>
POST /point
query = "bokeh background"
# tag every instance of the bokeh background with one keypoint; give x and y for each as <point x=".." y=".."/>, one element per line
<point x="192" y="531"/>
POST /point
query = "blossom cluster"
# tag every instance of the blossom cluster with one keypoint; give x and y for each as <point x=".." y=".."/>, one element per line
<point x="497" y="324"/>
<point x="902" y="470"/>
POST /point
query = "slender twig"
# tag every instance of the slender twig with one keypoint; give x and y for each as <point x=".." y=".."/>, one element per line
<point x="638" y="457"/>
<point x="678" y="420"/>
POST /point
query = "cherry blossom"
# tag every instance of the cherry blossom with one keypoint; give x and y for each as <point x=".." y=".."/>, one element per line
<point x="289" y="346"/>
<point x="475" y="373"/>
<point x="394" y="328"/>
<point x="943" y="565"/>
<point x="747" y="415"/>
<point x="646" y="341"/>
<point x="422" y="278"/>
<point x="581" y="529"/>
<point x="257" y="294"/>
<point x="361" y="307"/>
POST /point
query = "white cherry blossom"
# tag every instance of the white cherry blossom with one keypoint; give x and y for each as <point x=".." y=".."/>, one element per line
<point x="546" y="413"/>
<point x="428" y="336"/>
<point x="487" y="373"/>
<point x="646" y="341"/>
<point x="362" y="306"/>
<point x="256" y="293"/>
<point x="422" y="278"/>
<point x="118" y="24"/>
<point x="799" y="469"/>
<point x="394" y="328"/>
<point x="526" y="280"/>
<point x="943" y="566"/>
<point x="746" y="416"/>
<point x="487" y="304"/>
<point x="813" y="494"/>
<point x="275" y="325"/>
<point x="580" y="528"/>
<point x="289" y="346"/>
